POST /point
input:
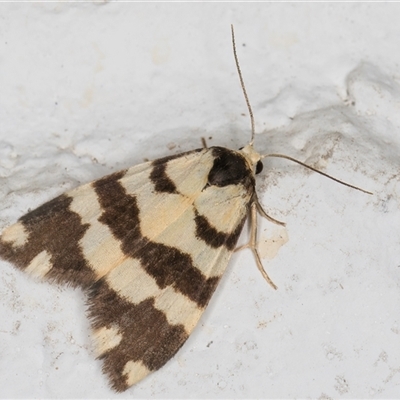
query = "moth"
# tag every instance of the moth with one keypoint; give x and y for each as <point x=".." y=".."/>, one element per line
<point x="148" y="245"/>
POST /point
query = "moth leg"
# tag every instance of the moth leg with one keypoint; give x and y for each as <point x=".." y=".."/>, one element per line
<point x="264" y="214"/>
<point x="204" y="143"/>
<point x="252" y="245"/>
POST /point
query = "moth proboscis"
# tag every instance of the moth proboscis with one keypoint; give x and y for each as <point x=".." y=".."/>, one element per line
<point x="148" y="245"/>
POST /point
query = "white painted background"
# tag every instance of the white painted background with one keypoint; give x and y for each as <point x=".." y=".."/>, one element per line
<point x="88" y="89"/>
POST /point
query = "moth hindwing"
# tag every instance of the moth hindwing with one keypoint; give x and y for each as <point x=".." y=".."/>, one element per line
<point x="148" y="245"/>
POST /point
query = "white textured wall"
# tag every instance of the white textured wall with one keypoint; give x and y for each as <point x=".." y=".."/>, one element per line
<point x="87" y="89"/>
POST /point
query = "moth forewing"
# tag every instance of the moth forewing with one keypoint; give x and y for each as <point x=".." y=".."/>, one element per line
<point x="148" y="245"/>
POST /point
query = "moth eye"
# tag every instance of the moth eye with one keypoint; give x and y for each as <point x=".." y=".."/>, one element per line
<point x="259" y="167"/>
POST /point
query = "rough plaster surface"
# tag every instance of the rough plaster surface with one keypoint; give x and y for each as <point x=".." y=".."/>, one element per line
<point x="88" y="89"/>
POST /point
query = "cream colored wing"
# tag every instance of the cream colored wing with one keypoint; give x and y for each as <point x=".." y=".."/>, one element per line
<point x="148" y="244"/>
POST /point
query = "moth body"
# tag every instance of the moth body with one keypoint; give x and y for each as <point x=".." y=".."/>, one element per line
<point x="148" y="245"/>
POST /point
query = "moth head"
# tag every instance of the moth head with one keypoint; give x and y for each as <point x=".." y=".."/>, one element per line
<point x="252" y="158"/>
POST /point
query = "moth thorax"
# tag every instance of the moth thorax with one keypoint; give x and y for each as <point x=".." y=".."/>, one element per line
<point x="229" y="168"/>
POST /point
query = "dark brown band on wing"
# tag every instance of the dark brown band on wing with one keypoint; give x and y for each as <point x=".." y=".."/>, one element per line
<point x="171" y="267"/>
<point x="146" y="334"/>
<point x="160" y="179"/>
<point x="167" y="265"/>
<point x="214" y="238"/>
<point x="53" y="228"/>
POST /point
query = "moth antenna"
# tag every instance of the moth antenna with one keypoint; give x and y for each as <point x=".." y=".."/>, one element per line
<point x="243" y="87"/>
<point x="316" y="170"/>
